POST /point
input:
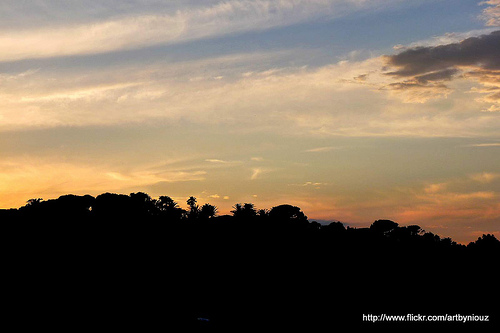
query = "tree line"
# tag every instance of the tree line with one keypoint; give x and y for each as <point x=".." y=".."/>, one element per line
<point x="139" y="262"/>
<point x="140" y="207"/>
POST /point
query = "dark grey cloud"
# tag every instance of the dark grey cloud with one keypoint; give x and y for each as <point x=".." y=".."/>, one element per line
<point x="482" y="52"/>
<point x="474" y="58"/>
<point x="444" y="75"/>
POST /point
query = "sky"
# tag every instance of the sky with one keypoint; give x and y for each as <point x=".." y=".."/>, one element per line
<point x="353" y="110"/>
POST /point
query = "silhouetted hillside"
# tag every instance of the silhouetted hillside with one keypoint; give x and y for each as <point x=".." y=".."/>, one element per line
<point x="136" y="262"/>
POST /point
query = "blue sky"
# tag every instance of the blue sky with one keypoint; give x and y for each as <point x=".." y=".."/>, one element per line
<point x="307" y="102"/>
<point x="364" y="30"/>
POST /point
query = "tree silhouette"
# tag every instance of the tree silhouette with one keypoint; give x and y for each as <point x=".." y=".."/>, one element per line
<point x="245" y="212"/>
<point x="169" y="209"/>
<point x="288" y="214"/>
<point x="486" y="243"/>
<point x="415" y="230"/>
<point x="142" y="204"/>
<point x="145" y="258"/>
<point x="193" y="208"/>
<point x="336" y="228"/>
<point x="33" y="202"/>
<point x="166" y="203"/>
<point x="207" y="211"/>
<point x="383" y="226"/>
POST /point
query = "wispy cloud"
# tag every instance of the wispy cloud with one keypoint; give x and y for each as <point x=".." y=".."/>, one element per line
<point x="147" y="177"/>
<point x="491" y="14"/>
<point x="214" y="160"/>
<point x="321" y="149"/>
<point x="183" y="24"/>
<point x="219" y="163"/>
<point x="485" y="177"/>
<point x="295" y="100"/>
<point x="255" y="173"/>
<point x="315" y="185"/>
<point x="258" y="172"/>
<point x="435" y="188"/>
<point x="480" y="145"/>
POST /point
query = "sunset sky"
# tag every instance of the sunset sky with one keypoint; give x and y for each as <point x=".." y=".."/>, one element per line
<point x="353" y="110"/>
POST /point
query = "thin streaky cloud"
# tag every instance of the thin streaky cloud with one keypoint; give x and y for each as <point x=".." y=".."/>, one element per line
<point x="214" y="160"/>
<point x="255" y="173"/>
<point x="321" y="149"/>
<point x="136" y="95"/>
<point x="484" y="145"/>
<point x="185" y="24"/>
<point x="222" y="162"/>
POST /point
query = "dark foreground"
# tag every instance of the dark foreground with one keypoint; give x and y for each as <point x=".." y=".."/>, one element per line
<point x="110" y="269"/>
